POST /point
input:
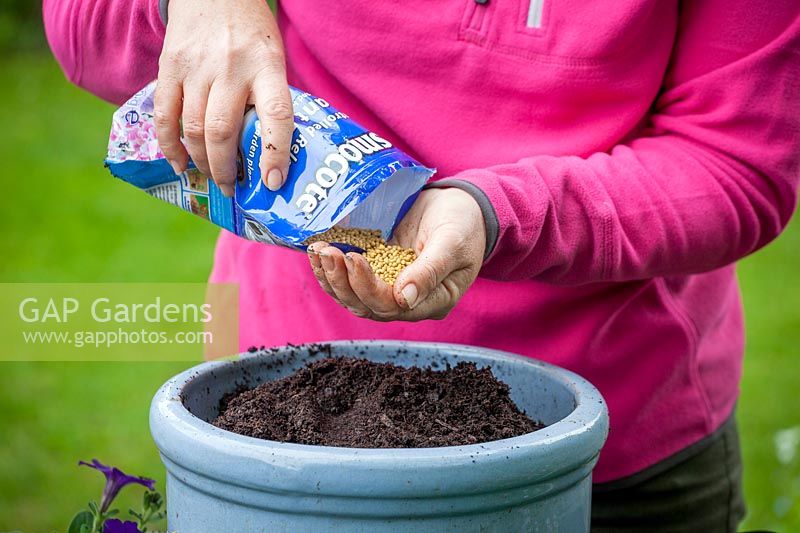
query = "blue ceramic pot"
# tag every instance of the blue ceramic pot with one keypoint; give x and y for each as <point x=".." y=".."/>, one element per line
<point x="218" y="481"/>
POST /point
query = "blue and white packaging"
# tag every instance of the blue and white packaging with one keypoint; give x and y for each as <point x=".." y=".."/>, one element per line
<point x="340" y="174"/>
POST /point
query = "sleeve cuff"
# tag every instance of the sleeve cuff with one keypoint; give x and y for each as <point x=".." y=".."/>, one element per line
<point x="489" y="214"/>
<point x="162" y="10"/>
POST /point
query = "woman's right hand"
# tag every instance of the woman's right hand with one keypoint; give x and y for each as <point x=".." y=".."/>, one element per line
<point x="218" y="57"/>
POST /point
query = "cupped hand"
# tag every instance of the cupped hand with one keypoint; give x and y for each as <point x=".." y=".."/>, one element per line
<point x="218" y="57"/>
<point x="447" y="230"/>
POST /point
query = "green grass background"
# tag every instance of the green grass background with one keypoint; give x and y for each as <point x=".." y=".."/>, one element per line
<point x="64" y="219"/>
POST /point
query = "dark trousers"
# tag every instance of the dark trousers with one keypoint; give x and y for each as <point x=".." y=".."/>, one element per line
<point x="698" y="489"/>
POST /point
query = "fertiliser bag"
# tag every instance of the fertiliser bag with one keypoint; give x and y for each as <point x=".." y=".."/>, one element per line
<point x="340" y="174"/>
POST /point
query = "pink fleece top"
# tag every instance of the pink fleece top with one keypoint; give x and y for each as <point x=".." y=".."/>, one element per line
<point x="632" y="152"/>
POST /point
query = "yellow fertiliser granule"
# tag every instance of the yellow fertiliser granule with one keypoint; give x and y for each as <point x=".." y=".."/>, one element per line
<point x="386" y="260"/>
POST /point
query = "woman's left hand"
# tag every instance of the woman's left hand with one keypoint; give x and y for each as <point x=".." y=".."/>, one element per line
<point x="445" y="227"/>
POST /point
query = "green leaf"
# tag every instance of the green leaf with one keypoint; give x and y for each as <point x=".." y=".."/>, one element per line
<point x="83" y="518"/>
<point x="152" y="500"/>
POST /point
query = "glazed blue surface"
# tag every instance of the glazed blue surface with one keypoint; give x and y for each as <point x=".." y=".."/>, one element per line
<point x="221" y="481"/>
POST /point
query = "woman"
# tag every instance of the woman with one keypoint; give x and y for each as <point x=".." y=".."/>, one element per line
<point x="603" y="166"/>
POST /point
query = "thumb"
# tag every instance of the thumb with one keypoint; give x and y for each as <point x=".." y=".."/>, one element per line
<point x="436" y="261"/>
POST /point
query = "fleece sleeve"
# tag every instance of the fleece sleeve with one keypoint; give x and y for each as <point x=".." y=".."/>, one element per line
<point x="713" y="177"/>
<point x="108" y="47"/>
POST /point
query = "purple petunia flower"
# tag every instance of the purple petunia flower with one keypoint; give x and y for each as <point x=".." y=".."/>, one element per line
<point x="115" y="480"/>
<point x="118" y="526"/>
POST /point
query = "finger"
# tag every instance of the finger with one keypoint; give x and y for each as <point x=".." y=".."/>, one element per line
<point x="370" y="290"/>
<point x="313" y="253"/>
<point x="336" y="272"/>
<point x="316" y="267"/>
<point x="275" y="112"/>
<point x="435" y="262"/>
<point x="224" y="115"/>
<point x="440" y="301"/>
<point x="195" y="101"/>
<point x="167" y="113"/>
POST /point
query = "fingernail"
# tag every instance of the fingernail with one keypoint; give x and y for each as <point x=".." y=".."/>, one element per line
<point x="410" y="295"/>
<point x="274" y="179"/>
<point x="227" y="189"/>
<point x="175" y="168"/>
<point x="313" y="258"/>
<point x="327" y="261"/>
<point x="315" y="248"/>
<point x="348" y="257"/>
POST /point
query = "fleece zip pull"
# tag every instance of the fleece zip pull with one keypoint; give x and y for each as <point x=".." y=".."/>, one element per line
<point x="535" y="8"/>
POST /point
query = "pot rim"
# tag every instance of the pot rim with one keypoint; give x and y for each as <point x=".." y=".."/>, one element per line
<point x="568" y="445"/>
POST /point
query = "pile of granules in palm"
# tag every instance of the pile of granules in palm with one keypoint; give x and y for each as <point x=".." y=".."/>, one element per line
<point x="386" y="260"/>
